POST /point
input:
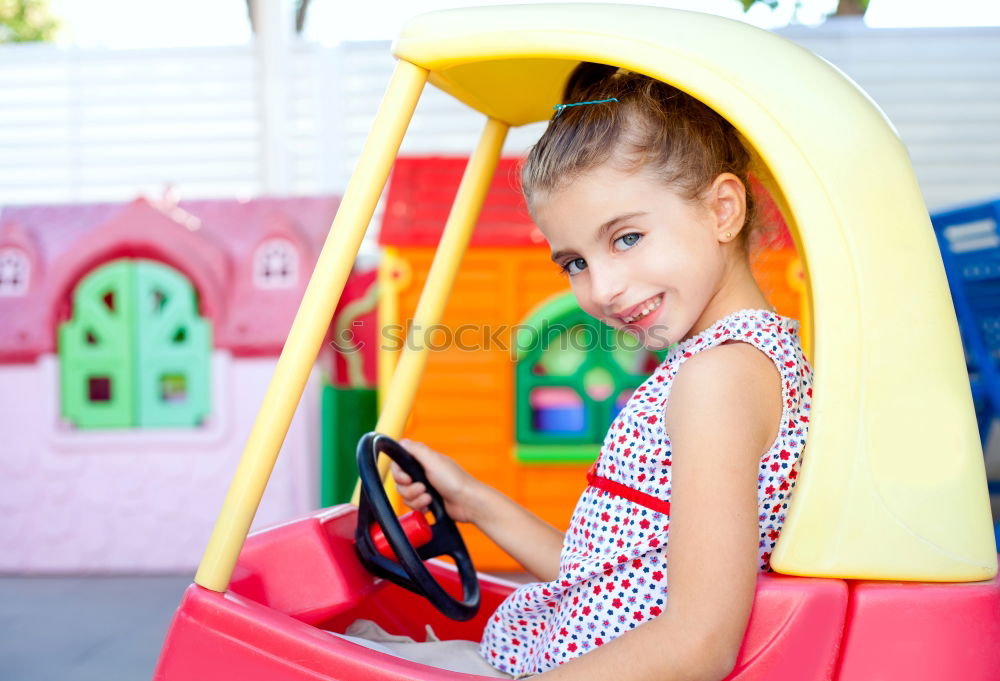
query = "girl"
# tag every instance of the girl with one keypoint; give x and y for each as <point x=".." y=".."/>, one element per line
<point x="641" y="192"/>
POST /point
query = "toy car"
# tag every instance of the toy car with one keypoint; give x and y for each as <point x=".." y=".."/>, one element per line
<point x="886" y="567"/>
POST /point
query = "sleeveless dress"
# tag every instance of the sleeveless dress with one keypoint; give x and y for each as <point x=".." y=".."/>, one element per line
<point x="612" y="568"/>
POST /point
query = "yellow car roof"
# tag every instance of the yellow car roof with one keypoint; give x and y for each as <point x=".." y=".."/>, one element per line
<point x="892" y="483"/>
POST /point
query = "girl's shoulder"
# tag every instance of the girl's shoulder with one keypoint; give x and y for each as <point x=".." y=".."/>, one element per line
<point x="744" y="374"/>
<point x="732" y="387"/>
<point x="767" y="341"/>
<point x="744" y="349"/>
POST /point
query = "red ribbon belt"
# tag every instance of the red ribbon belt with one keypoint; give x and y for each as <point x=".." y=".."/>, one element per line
<point x="620" y="490"/>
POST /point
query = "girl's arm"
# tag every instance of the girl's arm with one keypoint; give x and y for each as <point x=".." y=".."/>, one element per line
<point x="724" y="413"/>
<point x="528" y="539"/>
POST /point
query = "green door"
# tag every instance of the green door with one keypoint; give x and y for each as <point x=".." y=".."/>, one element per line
<point x="135" y="353"/>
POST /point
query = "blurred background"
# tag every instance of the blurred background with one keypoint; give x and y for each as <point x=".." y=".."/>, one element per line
<point x="120" y="97"/>
<point x="194" y="152"/>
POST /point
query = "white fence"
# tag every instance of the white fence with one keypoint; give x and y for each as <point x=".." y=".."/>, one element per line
<point x="96" y="124"/>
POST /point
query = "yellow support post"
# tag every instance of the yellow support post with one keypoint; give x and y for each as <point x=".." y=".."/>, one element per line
<point x="440" y="279"/>
<point x="309" y="328"/>
<point x="393" y="277"/>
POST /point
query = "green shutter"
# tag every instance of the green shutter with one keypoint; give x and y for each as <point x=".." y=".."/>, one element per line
<point x="172" y="349"/>
<point x="95" y="351"/>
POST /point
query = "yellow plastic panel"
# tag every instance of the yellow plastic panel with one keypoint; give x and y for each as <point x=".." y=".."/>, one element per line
<point x="893" y="483"/>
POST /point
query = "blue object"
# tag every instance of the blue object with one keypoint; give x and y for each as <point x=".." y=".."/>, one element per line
<point x="970" y="248"/>
<point x="560" y="420"/>
<point x="559" y="107"/>
<point x="969" y="238"/>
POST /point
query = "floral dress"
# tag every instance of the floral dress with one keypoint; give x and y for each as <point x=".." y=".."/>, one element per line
<point x="612" y="568"/>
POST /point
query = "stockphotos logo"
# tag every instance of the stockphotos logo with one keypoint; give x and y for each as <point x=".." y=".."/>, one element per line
<point x="517" y="339"/>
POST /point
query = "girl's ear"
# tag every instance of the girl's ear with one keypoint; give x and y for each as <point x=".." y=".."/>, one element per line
<point x="727" y="199"/>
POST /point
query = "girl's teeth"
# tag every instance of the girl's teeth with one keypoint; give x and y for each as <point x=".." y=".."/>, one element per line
<point x="645" y="311"/>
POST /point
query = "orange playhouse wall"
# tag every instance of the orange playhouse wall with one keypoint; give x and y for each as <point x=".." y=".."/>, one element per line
<point x="465" y="403"/>
<point x="779" y="274"/>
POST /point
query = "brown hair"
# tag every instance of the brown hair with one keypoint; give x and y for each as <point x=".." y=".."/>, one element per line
<point x="652" y="125"/>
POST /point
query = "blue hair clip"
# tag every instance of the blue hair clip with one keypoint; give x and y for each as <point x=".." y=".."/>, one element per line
<point x="559" y="107"/>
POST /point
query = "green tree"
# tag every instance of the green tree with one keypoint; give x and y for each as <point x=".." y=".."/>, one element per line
<point x="25" y="21"/>
<point x="844" y="7"/>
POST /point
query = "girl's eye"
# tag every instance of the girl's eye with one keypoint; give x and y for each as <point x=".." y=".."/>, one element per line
<point x="627" y="241"/>
<point x="574" y="266"/>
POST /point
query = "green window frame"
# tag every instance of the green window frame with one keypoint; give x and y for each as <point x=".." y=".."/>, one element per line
<point x="560" y="347"/>
<point x="135" y="353"/>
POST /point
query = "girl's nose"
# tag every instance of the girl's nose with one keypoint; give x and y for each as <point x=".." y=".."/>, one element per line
<point x="606" y="287"/>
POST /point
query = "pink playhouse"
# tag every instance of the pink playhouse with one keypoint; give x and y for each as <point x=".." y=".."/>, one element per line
<point x="136" y="344"/>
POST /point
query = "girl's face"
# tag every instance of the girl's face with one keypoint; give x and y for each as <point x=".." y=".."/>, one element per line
<point x="641" y="257"/>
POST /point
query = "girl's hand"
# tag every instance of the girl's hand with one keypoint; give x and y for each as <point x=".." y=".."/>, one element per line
<point x="460" y="491"/>
<point x="524" y="536"/>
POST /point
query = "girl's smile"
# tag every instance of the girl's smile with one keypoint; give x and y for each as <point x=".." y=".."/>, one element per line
<point x="642" y="311"/>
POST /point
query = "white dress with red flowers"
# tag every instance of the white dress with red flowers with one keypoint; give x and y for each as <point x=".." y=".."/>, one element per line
<point x="612" y="569"/>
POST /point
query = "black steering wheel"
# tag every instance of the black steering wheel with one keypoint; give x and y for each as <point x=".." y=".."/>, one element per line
<point x="410" y="572"/>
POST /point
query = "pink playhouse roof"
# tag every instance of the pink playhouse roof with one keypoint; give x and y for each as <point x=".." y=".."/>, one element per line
<point x="210" y="241"/>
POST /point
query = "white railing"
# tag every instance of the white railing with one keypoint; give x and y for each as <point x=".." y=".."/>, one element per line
<point x="98" y="124"/>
